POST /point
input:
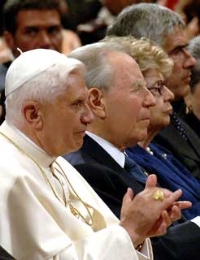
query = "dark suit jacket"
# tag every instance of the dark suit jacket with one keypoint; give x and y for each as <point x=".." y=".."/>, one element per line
<point x="193" y="122"/>
<point x="187" y="152"/>
<point x="103" y="174"/>
<point x="110" y="181"/>
<point x="4" y="255"/>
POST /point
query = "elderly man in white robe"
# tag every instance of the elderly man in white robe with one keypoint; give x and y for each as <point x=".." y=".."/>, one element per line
<point x="47" y="210"/>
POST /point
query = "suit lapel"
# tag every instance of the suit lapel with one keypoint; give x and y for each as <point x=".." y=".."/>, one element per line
<point x="171" y="133"/>
<point x="99" y="154"/>
<point x="192" y="137"/>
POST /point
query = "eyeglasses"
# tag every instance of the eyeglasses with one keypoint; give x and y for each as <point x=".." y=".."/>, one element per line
<point x="157" y="89"/>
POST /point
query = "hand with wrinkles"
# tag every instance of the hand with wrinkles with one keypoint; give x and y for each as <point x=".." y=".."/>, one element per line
<point x="145" y="216"/>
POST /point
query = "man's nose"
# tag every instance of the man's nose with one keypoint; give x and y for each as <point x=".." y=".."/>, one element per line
<point x="190" y="61"/>
<point x="88" y="115"/>
<point x="168" y="95"/>
<point x="149" y="99"/>
<point x="44" y="39"/>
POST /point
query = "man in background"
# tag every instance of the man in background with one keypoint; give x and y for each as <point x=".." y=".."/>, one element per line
<point x="167" y="29"/>
<point x="27" y="25"/>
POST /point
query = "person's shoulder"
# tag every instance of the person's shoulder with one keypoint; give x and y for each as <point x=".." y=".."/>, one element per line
<point x="75" y="157"/>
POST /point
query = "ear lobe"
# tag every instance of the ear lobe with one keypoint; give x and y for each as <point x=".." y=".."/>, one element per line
<point x="96" y="102"/>
<point x="32" y="114"/>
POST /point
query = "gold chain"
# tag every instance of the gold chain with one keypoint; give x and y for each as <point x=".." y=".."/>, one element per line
<point x="73" y="210"/>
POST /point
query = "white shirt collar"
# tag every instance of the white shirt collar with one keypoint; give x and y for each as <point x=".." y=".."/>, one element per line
<point x="115" y="153"/>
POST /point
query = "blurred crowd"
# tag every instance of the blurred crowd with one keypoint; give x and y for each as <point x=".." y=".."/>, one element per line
<point x="85" y="21"/>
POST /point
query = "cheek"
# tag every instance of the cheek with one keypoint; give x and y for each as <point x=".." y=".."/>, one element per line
<point x="138" y="112"/>
<point x="196" y="95"/>
<point x="57" y="40"/>
<point x="156" y="113"/>
<point x="176" y="73"/>
<point x="27" y="44"/>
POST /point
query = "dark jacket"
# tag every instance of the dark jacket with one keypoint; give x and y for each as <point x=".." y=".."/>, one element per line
<point x="110" y="181"/>
<point x="193" y="122"/>
<point x="186" y="151"/>
<point x="4" y="255"/>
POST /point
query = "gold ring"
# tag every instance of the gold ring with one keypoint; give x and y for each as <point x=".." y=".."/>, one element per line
<point x="158" y="195"/>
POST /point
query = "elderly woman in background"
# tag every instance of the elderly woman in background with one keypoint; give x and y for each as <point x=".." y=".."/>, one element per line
<point x="193" y="99"/>
<point x="156" y="66"/>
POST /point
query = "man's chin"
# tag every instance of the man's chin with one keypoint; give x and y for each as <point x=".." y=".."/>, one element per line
<point x="142" y="136"/>
<point x="75" y="147"/>
<point x="184" y="92"/>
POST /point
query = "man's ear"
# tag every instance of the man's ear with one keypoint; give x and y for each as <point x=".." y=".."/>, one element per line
<point x="96" y="101"/>
<point x="9" y="40"/>
<point x="33" y="114"/>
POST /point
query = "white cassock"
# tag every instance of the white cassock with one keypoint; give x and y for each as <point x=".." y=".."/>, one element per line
<point x="35" y="223"/>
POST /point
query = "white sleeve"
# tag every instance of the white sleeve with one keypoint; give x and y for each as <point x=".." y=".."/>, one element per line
<point x="196" y="220"/>
<point x="34" y="225"/>
<point x="112" y="243"/>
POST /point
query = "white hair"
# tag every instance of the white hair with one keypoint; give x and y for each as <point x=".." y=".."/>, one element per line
<point x="43" y="88"/>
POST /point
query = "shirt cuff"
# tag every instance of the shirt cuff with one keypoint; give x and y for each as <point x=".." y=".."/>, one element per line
<point x="196" y="221"/>
<point x="146" y="250"/>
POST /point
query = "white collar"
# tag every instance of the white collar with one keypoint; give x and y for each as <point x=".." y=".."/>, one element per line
<point x="26" y="144"/>
<point x="114" y="152"/>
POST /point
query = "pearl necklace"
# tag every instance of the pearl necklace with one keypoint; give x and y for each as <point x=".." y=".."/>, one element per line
<point x="149" y="150"/>
<point x="163" y="155"/>
<point x="73" y="210"/>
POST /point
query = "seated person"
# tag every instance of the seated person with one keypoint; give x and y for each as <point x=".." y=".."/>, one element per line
<point x="121" y="118"/>
<point x="28" y="25"/>
<point x="47" y="210"/>
<point x="154" y="158"/>
<point x="155" y="22"/>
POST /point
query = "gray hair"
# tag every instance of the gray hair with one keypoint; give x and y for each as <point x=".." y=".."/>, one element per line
<point x="194" y="49"/>
<point x="151" y="21"/>
<point x="43" y="88"/>
<point x="99" y="72"/>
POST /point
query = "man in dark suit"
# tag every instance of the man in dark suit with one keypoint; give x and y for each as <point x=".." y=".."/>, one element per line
<point x="166" y="28"/>
<point x="121" y="115"/>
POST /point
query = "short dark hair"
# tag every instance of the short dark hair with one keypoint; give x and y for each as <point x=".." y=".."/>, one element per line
<point x="12" y="8"/>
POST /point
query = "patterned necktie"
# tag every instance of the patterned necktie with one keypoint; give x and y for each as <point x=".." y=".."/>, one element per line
<point x="177" y="123"/>
<point x="135" y="170"/>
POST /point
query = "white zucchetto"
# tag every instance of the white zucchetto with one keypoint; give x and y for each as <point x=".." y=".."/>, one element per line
<point x="31" y="63"/>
